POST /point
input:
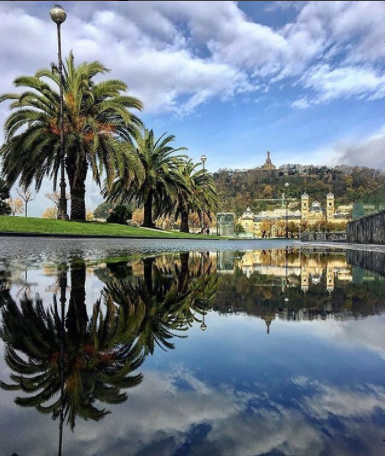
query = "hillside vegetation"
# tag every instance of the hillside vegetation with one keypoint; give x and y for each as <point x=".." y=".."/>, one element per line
<point x="238" y="189"/>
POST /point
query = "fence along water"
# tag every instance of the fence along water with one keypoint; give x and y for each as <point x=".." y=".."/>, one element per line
<point x="370" y="204"/>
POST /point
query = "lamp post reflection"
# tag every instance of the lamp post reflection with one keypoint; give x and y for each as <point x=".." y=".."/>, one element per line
<point x="63" y="300"/>
<point x="203" y="325"/>
<point x="286" y="299"/>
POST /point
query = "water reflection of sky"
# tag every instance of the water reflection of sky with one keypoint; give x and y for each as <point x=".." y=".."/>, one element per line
<point x="307" y="388"/>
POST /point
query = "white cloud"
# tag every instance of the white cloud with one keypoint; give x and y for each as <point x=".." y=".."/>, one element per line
<point x="178" y="55"/>
<point x="301" y="103"/>
<point x="344" y="82"/>
<point x="344" y="403"/>
<point x="368" y="151"/>
<point x="163" y="412"/>
<point x="351" y="150"/>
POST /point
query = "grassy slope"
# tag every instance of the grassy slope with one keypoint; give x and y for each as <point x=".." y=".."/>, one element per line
<point x="44" y="226"/>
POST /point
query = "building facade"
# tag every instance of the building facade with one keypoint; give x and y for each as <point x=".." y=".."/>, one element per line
<point x="275" y="223"/>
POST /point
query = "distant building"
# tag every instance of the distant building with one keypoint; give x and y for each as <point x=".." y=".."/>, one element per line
<point x="268" y="165"/>
<point x="273" y="223"/>
<point x="226" y="224"/>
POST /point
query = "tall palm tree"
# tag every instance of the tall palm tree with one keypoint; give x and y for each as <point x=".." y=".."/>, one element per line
<point x="155" y="297"/>
<point x="100" y="353"/>
<point x="173" y="297"/>
<point x="97" y="124"/>
<point x="161" y="181"/>
<point x="200" y="194"/>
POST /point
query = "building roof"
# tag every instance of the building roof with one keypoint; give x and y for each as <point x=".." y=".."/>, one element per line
<point x="248" y="214"/>
<point x="316" y="207"/>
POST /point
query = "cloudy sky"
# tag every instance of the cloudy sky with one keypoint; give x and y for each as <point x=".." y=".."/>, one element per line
<point x="305" y="80"/>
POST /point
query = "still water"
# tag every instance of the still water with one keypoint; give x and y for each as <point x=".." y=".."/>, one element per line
<point x="274" y="351"/>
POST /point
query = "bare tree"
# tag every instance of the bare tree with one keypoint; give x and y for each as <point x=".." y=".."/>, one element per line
<point x="55" y="197"/>
<point x="27" y="196"/>
<point x="50" y="213"/>
<point x="16" y="205"/>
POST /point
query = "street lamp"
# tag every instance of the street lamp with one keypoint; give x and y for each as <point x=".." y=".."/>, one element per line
<point x="203" y="159"/>
<point x="58" y="15"/>
<point x="287" y="217"/>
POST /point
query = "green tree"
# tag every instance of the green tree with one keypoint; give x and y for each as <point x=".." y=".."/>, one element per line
<point x="103" y="210"/>
<point x="97" y="125"/>
<point x="161" y="182"/>
<point x="198" y="195"/>
<point x="120" y="214"/>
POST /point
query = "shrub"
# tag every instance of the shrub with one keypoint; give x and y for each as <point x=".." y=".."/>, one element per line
<point x="239" y="228"/>
<point x="5" y="208"/>
<point x="120" y="214"/>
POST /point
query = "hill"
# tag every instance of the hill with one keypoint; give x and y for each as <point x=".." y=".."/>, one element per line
<point x="238" y="189"/>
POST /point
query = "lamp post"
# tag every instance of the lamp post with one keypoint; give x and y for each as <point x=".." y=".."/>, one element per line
<point x="58" y="15"/>
<point x="287" y="216"/>
<point x="203" y="159"/>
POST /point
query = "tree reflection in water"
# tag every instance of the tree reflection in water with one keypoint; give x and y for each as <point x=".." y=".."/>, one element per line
<point x="170" y="296"/>
<point x="66" y="360"/>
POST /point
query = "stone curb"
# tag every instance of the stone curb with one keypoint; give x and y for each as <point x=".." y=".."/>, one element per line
<point x="345" y="246"/>
<point x="98" y="236"/>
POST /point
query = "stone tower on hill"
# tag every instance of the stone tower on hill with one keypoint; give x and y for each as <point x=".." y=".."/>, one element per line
<point x="268" y="166"/>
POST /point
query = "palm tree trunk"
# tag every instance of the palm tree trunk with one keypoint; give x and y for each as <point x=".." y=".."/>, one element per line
<point x="77" y="317"/>
<point x="184" y="272"/>
<point x="147" y="220"/>
<point x="184" y="228"/>
<point x="148" y="273"/>
<point x="77" y="181"/>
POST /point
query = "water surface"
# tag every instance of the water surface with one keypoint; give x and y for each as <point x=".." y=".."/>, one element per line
<point x="241" y="350"/>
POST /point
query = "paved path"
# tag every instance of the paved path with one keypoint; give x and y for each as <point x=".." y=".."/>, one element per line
<point x="343" y="246"/>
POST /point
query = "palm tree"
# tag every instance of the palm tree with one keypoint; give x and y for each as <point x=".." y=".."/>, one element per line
<point x="161" y="181"/>
<point x="100" y="353"/>
<point x="97" y="125"/>
<point x="200" y="194"/>
<point x="154" y="297"/>
<point x="172" y="297"/>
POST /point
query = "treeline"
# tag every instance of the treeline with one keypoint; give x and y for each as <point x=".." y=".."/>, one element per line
<point x="68" y="121"/>
<point x="238" y="189"/>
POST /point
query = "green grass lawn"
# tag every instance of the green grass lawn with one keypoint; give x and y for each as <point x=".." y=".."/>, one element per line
<point x="46" y="226"/>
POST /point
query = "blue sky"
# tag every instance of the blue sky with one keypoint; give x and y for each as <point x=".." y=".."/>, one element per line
<point x="232" y="80"/>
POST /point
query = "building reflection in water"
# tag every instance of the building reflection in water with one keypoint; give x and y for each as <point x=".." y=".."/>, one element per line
<point x="291" y="284"/>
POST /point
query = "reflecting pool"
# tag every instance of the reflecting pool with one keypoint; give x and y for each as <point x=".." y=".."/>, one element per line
<point x="277" y="351"/>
